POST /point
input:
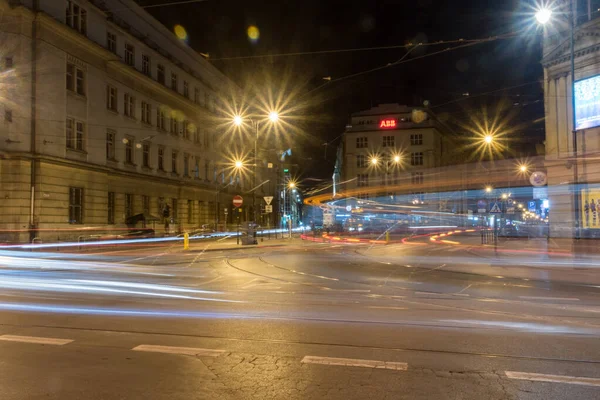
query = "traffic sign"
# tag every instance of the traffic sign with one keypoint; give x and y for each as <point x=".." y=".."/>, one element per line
<point x="495" y="209"/>
<point x="238" y="201"/>
<point x="268" y="199"/>
<point x="481" y="206"/>
<point x="532" y="205"/>
<point x="268" y="209"/>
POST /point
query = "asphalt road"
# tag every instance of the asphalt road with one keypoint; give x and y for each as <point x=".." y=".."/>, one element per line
<point x="296" y="320"/>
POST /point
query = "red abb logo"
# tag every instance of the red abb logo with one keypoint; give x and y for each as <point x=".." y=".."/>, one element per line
<point x="387" y="123"/>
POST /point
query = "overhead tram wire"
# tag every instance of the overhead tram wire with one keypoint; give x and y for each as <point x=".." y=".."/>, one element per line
<point x="392" y="47"/>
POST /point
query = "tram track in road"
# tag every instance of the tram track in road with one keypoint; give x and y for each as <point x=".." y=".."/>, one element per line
<point x="414" y="301"/>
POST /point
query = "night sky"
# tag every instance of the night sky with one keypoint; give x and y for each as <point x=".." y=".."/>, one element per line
<point x="501" y="77"/>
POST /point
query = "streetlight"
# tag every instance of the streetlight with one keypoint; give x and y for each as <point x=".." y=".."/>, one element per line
<point x="397" y="159"/>
<point x="523" y="168"/>
<point x="374" y="161"/>
<point x="543" y="16"/>
<point x="238" y="120"/>
<point x="504" y="196"/>
<point x="488" y="189"/>
<point x="238" y="164"/>
<point x="292" y="185"/>
<point x="488" y="139"/>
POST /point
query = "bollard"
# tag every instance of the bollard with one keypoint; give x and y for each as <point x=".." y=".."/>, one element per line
<point x="387" y="236"/>
<point x="186" y="241"/>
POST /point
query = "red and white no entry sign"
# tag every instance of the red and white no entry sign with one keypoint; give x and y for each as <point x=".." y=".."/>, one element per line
<point x="238" y="201"/>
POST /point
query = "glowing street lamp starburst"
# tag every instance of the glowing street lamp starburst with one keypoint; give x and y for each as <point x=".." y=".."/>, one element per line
<point x="274" y="116"/>
<point x="238" y="120"/>
<point x="543" y="15"/>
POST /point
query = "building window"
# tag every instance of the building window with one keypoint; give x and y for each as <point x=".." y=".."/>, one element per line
<point x="362" y="180"/>
<point x="160" y="73"/>
<point x="174" y="210"/>
<point x="190" y="212"/>
<point x="8" y="62"/>
<point x="111" y="98"/>
<point x="146" y="205"/>
<point x="128" y="205"/>
<point x="129" y="101"/>
<point x="197" y="168"/>
<point x="75" y="132"/>
<point x="129" y="54"/>
<point x="417" y="178"/>
<point x="186" y="130"/>
<point x="388" y="141"/>
<point x="196" y="95"/>
<point x="76" y="17"/>
<point x="161" y="158"/>
<point x="416" y="139"/>
<point x="75" y="205"/>
<point x="111" y="42"/>
<point x="146" y="64"/>
<point x="146" y="155"/>
<point x="146" y="113"/>
<point x="362" y="142"/>
<point x="174" y="161"/>
<point x="416" y="158"/>
<point x="186" y="89"/>
<point x="110" y="144"/>
<point x="75" y="79"/>
<point x="160" y="119"/>
<point x="361" y="161"/>
<point x="129" y="150"/>
<point x="186" y="165"/>
<point x="111" y="208"/>
<point x="206" y="169"/>
<point x="174" y="126"/>
<point x="174" y="81"/>
<point x="8" y="117"/>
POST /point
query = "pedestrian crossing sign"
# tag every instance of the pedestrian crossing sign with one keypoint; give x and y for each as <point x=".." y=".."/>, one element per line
<point x="495" y="209"/>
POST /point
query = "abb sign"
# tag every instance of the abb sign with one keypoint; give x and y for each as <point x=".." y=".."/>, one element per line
<point x="387" y="123"/>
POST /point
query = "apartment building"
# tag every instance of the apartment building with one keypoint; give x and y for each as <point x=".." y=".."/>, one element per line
<point x="107" y="114"/>
<point x="386" y="145"/>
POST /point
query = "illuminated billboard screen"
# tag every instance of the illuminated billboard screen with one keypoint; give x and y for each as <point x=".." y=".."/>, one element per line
<point x="587" y="103"/>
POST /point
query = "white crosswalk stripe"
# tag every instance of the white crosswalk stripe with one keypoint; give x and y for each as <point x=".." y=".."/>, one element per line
<point x="351" y="362"/>
<point x="573" y="380"/>
<point x="35" y="339"/>
<point x="190" y="351"/>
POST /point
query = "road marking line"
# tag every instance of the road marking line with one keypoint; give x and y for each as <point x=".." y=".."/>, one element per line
<point x="387" y="308"/>
<point x="573" y="380"/>
<point x="461" y="294"/>
<point x="350" y="362"/>
<point x="35" y="339"/>
<point x="548" y="298"/>
<point x="433" y="293"/>
<point x="190" y="351"/>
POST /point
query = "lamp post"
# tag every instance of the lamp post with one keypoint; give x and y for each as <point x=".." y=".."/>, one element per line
<point x="396" y="159"/>
<point x="238" y="120"/>
<point x="543" y="16"/>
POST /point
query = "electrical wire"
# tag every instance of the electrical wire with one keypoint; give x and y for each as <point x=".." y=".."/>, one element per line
<point x="402" y="46"/>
